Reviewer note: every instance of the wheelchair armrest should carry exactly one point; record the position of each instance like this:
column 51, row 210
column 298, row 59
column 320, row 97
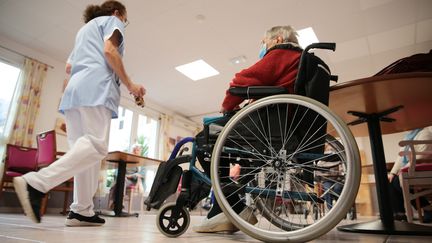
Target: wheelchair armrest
column 256, row 92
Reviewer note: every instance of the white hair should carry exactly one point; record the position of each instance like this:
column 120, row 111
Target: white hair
column 287, row 33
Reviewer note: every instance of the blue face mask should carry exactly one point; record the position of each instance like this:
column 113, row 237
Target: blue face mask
column 263, row 51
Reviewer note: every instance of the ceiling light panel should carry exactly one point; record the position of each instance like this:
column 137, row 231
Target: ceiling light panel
column 197, row 70
column 306, row 37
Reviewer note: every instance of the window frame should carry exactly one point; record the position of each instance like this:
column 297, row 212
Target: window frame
column 136, row 111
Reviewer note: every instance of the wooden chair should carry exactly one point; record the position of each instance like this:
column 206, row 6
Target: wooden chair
column 417, row 175
column 18, row 161
column 47, row 154
column 131, row 192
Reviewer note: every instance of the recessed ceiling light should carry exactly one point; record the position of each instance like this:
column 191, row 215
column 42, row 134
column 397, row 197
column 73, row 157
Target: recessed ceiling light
column 238, row 60
column 197, row 70
column 306, row 37
column 200, row 18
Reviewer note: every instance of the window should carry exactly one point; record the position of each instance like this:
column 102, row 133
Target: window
column 133, row 129
column 147, row 136
column 8, row 80
column 134, row 132
column 120, row 131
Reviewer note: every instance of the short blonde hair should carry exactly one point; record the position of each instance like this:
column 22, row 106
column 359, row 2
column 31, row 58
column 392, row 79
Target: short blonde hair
column 287, row 33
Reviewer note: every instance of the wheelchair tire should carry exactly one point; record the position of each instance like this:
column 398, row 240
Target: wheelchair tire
column 169, row 225
column 287, row 150
column 272, row 214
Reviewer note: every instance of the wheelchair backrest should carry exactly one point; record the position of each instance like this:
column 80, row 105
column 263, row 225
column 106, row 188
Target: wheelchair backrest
column 313, row 77
column 313, row 81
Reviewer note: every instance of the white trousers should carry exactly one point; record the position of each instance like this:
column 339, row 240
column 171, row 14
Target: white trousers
column 88, row 135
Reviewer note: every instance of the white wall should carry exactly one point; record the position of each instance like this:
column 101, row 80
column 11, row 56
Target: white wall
column 391, row 146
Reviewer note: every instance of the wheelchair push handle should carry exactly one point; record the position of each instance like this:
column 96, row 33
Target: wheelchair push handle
column 327, row 46
column 322, row 45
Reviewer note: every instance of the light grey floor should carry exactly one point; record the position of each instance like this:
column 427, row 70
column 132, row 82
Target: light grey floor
column 16, row 228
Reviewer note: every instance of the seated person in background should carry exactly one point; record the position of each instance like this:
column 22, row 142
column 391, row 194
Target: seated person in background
column 396, row 193
column 330, row 178
column 234, row 174
column 278, row 65
column 134, row 178
column 334, row 189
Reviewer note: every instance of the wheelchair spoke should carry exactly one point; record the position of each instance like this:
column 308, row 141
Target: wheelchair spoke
column 268, row 126
column 267, row 145
column 262, row 131
column 240, row 177
column 302, row 146
column 280, row 124
column 285, row 127
column 295, row 128
column 248, row 143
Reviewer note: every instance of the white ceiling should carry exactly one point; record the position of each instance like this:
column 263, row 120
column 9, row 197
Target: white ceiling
column 370, row 34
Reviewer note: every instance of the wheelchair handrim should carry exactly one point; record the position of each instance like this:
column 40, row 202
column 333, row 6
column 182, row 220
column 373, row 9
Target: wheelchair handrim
column 331, row 219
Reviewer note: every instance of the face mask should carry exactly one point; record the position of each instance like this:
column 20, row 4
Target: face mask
column 263, row 51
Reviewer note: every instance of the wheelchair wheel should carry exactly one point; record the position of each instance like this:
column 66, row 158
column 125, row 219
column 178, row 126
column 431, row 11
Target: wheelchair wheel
column 279, row 142
column 170, row 223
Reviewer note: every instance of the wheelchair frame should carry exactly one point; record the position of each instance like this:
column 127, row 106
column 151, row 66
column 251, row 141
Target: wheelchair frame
column 173, row 218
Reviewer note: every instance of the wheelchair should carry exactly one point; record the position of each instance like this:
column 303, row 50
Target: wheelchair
column 278, row 141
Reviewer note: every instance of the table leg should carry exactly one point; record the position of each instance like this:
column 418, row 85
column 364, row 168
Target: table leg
column 386, row 224
column 380, row 172
column 119, row 191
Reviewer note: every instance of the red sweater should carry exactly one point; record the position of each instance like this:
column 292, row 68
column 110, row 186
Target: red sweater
column 277, row 68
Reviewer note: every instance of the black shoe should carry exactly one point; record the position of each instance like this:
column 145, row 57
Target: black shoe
column 400, row 217
column 77, row 220
column 30, row 198
column 427, row 217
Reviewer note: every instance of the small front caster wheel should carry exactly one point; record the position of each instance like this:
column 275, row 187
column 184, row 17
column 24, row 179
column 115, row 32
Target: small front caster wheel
column 171, row 223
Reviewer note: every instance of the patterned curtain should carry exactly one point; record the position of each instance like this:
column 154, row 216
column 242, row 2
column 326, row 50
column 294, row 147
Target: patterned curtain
column 32, row 77
column 164, row 145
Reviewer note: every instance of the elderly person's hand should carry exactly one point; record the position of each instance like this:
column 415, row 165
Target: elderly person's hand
column 235, row 171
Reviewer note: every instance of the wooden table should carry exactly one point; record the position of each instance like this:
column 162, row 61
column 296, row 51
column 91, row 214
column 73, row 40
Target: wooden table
column 124, row 159
column 386, row 104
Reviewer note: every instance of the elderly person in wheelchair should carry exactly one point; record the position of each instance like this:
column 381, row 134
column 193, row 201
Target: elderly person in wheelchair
column 279, row 59
column 276, row 141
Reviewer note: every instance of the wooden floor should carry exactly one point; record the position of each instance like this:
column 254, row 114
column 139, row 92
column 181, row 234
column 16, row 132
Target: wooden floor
column 16, row 228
